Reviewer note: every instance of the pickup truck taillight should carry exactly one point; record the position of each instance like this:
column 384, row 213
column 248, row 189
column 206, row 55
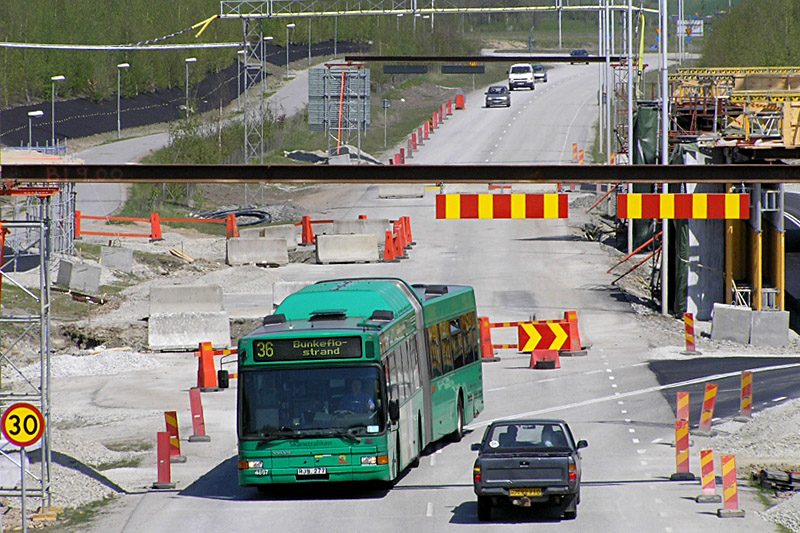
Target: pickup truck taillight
column 476, row 474
column 573, row 470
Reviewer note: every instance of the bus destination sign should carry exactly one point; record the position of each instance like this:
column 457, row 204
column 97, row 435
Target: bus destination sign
column 308, row 349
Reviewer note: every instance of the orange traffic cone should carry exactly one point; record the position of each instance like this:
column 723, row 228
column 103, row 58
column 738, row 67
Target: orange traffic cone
column 388, row 252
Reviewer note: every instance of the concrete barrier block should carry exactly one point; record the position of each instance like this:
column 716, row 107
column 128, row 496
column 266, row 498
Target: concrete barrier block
column 256, row 251
column 346, row 249
column 374, row 226
column 185, row 299
column 117, row 258
column 290, row 232
column 251, row 233
column 731, row 323
column 77, row 276
column 185, row 331
column 401, row 191
column 769, row 328
column 282, row 289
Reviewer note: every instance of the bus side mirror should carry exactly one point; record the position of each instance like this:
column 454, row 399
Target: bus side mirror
column 394, row 410
column 223, row 379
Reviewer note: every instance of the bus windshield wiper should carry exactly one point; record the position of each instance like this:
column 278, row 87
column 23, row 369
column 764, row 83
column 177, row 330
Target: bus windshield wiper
column 283, row 433
column 341, row 433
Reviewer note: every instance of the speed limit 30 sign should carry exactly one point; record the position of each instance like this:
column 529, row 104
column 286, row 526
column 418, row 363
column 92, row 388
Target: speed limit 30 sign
column 22, row 424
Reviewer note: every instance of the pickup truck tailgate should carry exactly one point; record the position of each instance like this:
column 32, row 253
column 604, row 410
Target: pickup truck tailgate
column 527, row 471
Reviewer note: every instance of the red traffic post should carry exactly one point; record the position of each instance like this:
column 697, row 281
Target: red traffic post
column 730, row 495
column 688, row 322
column 709, row 400
column 450, row 106
column 573, row 346
column 171, row 419
column 426, row 130
column 362, row 217
column 396, row 159
column 419, row 135
column 487, row 350
column 231, row 227
column 413, row 141
column 77, row 224
column 198, row 420
column 683, row 407
column 409, row 149
column 574, row 152
column 682, row 452
column 155, row 228
column 307, row 234
column 545, row 359
column 746, row 404
column 409, row 236
column 164, row 468
column 709, row 482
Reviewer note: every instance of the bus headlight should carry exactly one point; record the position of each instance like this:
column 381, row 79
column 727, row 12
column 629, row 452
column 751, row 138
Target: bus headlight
column 247, row 465
column 369, row 461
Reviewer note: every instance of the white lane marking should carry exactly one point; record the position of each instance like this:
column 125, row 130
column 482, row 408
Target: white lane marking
column 647, row 390
column 609, row 370
column 546, row 380
column 668, row 529
column 656, row 441
column 613, row 385
column 631, row 430
column 643, row 463
column 779, row 399
column 658, row 500
column 627, row 420
column 624, row 411
column 620, row 402
column 429, row 509
column 433, row 459
column 611, row 378
column 639, row 364
column 591, row 372
column 641, row 452
column 635, row 441
column 497, row 389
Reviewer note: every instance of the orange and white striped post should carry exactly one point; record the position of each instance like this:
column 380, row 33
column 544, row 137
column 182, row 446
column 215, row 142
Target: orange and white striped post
column 574, row 152
column 730, row 495
column 709, row 400
column 688, row 323
column 682, row 452
column 171, row 418
column 709, row 482
column 683, row 407
column 746, row 405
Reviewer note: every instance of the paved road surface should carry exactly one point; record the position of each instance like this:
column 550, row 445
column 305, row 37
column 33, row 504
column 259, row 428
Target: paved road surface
column 518, row 268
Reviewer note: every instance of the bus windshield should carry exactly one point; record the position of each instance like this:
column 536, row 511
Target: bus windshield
column 310, row 402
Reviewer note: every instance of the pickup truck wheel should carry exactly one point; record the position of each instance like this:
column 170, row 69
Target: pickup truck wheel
column 571, row 510
column 484, row 508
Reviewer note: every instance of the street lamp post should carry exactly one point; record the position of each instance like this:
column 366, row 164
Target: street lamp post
column 32, row 115
column 188, row 60
column 288, row 27
column 399, row 16
column 54, row 79
column 309, row 42
column 120, row 68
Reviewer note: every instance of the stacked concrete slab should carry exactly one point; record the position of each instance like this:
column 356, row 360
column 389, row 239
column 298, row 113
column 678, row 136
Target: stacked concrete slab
column 183, row 316
column 371, row 226
column 745, row 326
column 290, row 232
column 259, row 251
column 78, row 276
column 346, row 249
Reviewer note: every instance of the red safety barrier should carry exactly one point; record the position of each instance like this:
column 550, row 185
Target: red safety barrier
column 154, row 220
column 683, row 407
column 709, row 399
column 164, row 467
column 487, row 350
column 688, row 323
column 388, row 252
column 409, row 236
column 746, row 404
column 573, row 346
column 545, row 359
column 435, row 119
column 730, row 494
column 413, row 141
column 362, row 217
column 580, row 157
column 450, row 106
column 708, row 481
column 198, row 420
column 207, row 380
column 171, row 419
column 419, row 135
column 232, row 228
column 426, row 130
column 460, row 102
column 396, row 159
column 682, row 452
column 402, row 156
column 400, row 231
column 397, row 247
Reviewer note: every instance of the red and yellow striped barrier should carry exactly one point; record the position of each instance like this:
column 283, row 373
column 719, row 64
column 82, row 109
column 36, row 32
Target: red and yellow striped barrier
column 709, row 400
column 746, row 405
column 688, row 322
column 171, row 419
column 730, row 495
column 682, row 452
column 708, row 481
column 501, row 206
column 683, row 406
column 683, row 206
column 551, row 335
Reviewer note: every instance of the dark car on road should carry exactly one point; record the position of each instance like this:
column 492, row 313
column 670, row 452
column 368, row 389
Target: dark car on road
column 526, row 462
column 577, row 54
column 540, row 73
column 498, row 95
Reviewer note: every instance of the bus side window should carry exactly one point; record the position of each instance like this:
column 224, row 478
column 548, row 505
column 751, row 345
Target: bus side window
column 470, row 338
column 394, row 393
column 433, row 349
column 447, row 353
column 457, row 338
column 402, row 371
column 413, row 357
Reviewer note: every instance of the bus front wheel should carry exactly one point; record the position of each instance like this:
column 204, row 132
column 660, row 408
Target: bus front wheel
column 459, row 432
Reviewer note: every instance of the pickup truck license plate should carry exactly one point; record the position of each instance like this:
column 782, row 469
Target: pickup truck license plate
column 312, row 471
column 525, row 492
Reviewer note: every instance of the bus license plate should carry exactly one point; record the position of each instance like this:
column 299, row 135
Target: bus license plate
column 312, row 471
column 525, row 492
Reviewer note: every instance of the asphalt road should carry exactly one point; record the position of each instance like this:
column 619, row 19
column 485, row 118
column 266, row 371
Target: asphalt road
column 612, row 397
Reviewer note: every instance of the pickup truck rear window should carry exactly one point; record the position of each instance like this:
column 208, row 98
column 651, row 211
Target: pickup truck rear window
column 526, row 436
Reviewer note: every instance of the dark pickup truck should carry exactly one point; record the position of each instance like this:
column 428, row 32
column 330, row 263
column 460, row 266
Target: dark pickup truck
column 522, row 462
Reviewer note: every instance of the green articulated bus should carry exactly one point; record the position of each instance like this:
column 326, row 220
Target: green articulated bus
column 351, row 379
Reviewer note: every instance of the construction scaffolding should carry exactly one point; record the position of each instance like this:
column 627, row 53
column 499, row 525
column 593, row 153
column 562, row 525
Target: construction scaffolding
column 339, row 104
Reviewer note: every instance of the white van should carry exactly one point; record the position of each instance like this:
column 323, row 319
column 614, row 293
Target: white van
column 520, row 75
